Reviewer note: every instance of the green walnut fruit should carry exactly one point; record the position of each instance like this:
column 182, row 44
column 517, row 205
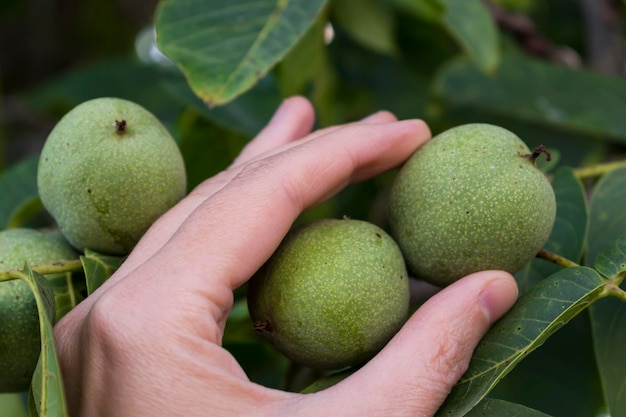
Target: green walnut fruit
column 470, row 199
column 19, row 319
column 332, row 295
column 107, row 171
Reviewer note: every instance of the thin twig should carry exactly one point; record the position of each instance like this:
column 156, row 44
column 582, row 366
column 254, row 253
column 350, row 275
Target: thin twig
column 613, row 289
column 524, row 32
column 604, row 35
column 556, row 259
column 45, row 269
column 597, row 170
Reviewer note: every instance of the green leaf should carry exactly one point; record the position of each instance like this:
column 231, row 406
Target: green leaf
column 127, row 79
column 69, row 290
column 432, row 10
column 12, row 405
column 607, row 217
column 262, row 363
column 18, row 185
column 328, row 381
column 561, row 378
column 207, row 149
column 98, row 268
column 25, row 211
column 608, row 319
column 369, row 22
column 552, row 97
column 490, row 407
column 469, row 22
column 570, row 228
column 247, row 114
column 306, row 66
column 224, row 48
column 46, row 396
column 537, row 314
column 611, row 261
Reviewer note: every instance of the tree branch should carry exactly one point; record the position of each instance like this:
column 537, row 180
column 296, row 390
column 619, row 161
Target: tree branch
column 556, row 259
column 604, row 35
column 522, row 29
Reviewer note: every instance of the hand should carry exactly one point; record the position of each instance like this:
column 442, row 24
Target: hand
column 148, row 342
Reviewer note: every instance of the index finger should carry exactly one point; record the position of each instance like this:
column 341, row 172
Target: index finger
column 233, row 232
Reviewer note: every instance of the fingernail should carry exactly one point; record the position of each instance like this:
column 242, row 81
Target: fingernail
column 498, row 297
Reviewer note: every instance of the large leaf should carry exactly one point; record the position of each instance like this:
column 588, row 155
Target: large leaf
column 306, row 70
column 47, row 396
column 536, row 315
column 607, row 217
column 470, row 23
column 247, row 114
column 207, row 148
column 127, row 79
column 611, row 261
column 369, row 22
column 561, row 378
column 224, row 48
column 367, row 82
column 539, row 92
column 432, row 10
column 18, row 185
column 490, row 407
column 98, row 268
column 570, row 228
column 25, row 211
column 608, row 319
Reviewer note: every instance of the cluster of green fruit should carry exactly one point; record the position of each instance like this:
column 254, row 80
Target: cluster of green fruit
column 336, row 291
column 107, row 171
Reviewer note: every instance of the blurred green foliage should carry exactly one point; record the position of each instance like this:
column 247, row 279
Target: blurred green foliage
column 445, row 61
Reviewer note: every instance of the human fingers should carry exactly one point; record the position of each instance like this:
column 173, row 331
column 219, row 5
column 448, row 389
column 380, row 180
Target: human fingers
column 381, row 116
column 187, row 284
column 414, row 373
column 277, row 136
column 259, row 205
column 229, row 236
column 292, row 120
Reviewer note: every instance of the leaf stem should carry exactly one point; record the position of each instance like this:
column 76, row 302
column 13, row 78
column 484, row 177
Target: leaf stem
column 598, row 169
column 44, row 269
column 555, row 259
column 614, row 290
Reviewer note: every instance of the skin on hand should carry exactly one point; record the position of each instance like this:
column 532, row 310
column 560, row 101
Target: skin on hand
column 148, row 342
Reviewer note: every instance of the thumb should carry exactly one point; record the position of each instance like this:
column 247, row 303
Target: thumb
column 415, row 372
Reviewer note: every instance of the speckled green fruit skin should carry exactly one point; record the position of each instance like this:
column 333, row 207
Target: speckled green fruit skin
column 19, row 320
column 104, row 184
column 332, row 295
column 470, row 200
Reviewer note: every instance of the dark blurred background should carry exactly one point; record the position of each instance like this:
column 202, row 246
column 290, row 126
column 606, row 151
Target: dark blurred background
column 56, row 53
column 41, row 40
